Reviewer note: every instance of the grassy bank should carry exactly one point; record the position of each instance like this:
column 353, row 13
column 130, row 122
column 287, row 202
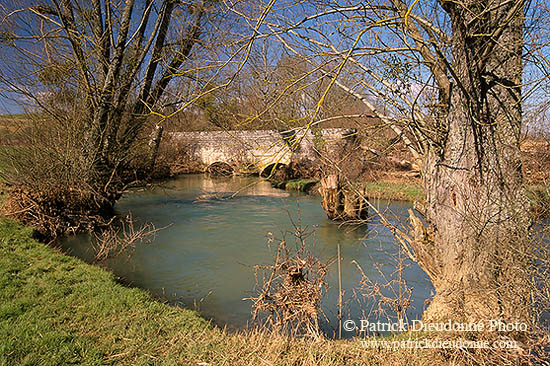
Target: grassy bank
column 538, row 194
column 301, row 185
column 57, row 310
column 394, row 191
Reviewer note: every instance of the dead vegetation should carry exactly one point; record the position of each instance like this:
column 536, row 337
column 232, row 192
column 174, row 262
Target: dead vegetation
column 58, row 210
column 122, row 237
column 390, row 299
column 219, row 169
column 290, row 290
column 177, row 156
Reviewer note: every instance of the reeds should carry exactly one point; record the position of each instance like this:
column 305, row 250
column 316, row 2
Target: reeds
column 291, row 289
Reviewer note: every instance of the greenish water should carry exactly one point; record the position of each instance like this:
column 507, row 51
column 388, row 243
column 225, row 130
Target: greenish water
column 205, row 257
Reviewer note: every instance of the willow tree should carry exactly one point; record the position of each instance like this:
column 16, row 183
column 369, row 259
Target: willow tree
column 476, row 246
column 449, row 74
column 117, row 60
column 476, row 250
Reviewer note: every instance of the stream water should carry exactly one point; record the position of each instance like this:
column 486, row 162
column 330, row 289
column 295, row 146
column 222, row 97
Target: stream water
column 204, row 257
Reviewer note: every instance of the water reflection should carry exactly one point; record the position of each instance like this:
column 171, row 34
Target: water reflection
column 207, row 253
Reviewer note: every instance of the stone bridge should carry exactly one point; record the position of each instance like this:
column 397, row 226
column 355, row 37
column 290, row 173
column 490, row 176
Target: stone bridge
column 259, row 150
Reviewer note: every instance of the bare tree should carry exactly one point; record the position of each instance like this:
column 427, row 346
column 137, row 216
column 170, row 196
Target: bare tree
column 449, row 75
column 114, row 61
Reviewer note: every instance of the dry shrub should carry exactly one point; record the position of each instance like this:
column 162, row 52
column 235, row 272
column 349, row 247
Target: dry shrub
column 116, row 239
column 219, row 169
column 303, row 168
column 289, row 299
column 177, row 155
column 51, row 185
column 390, row 298
column 535, row 153
column 56, row 210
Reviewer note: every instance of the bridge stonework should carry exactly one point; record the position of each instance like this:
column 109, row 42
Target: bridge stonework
column 254, row 150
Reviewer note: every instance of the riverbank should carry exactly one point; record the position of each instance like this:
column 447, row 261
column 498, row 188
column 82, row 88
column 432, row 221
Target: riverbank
column 410, row 190
column 55, row 309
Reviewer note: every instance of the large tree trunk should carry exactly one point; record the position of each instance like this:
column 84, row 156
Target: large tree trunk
column 476, row 245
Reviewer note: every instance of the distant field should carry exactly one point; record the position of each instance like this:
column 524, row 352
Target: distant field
column 11, row 121
column 14, row 126
column 538, row 194
column 10, row 124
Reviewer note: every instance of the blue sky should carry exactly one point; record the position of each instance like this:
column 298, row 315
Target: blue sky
column 9, row 104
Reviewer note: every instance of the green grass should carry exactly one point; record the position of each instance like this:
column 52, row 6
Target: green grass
column 58, row 310
column 375, row 190
column 302, row 185
column 13, row 115
column 539, row 196
column 394, row 191
column 19, row 116
column 538, row 191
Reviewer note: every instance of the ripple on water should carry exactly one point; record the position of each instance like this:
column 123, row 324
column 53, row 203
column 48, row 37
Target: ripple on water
column 208, row 251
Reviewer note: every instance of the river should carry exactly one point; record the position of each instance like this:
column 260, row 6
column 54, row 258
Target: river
column 218, row 229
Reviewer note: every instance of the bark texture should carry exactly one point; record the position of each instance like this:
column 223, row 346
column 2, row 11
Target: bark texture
column 341, row 202
column 341, row 165
column 475, row 246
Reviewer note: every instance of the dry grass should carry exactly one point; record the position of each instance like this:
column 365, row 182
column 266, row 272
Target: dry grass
column 291, row 289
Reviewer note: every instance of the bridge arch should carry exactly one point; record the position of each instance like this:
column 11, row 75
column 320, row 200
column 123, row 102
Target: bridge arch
column 271, row 169
column 219, row 168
